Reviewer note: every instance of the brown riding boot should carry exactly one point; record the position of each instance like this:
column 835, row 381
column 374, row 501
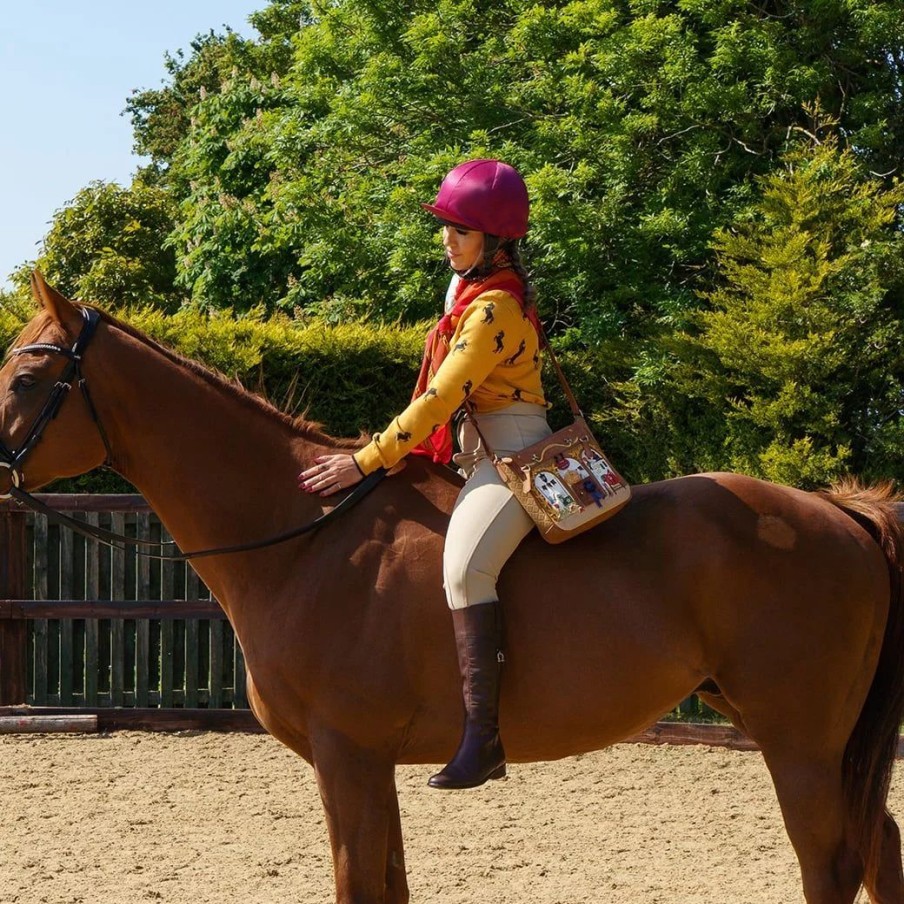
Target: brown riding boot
column 478, row 636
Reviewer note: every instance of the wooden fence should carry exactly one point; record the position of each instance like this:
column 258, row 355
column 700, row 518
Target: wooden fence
column 86, row 626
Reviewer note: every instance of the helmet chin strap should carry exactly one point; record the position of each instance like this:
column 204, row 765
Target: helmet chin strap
column 483, row 266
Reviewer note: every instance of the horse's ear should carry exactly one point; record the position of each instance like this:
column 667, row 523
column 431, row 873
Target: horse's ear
column 59, row 307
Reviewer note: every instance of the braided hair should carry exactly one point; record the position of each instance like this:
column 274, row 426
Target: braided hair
column 530, row 290
column 499, row 254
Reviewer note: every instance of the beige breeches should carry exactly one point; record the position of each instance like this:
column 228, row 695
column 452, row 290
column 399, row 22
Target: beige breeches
column 487, row 522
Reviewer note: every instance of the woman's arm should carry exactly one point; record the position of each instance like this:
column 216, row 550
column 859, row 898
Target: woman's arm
column 476, row 351
column 329, row 474
column 478, row 348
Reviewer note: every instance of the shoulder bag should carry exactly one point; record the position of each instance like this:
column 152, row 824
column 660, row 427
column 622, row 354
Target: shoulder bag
column 564, row 482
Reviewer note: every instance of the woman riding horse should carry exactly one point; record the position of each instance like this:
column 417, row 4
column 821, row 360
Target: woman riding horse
column 484, row 353
column 783, row 609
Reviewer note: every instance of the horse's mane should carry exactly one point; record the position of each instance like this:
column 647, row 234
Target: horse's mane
column 299, row 424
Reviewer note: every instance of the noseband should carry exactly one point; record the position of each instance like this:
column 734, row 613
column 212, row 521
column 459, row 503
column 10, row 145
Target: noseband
column 72, row 373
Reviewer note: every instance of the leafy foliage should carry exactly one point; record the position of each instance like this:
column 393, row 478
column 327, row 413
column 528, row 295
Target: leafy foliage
column 640, row 127
column 796, row 365
column 109, row 244
column 716, row 229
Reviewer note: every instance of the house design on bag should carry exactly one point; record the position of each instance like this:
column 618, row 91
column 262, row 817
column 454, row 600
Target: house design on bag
column 605, row 476
column 583, row 485
column 582, row 479
column 554, row 492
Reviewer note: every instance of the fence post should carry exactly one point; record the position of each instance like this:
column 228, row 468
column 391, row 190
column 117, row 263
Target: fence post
column 13, row 631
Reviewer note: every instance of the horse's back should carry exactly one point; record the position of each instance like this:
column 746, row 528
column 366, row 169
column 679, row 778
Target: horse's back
column 695, row 527
column 714, row 576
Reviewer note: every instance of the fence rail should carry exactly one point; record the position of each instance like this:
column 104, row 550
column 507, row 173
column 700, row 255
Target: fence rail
column 83, row 625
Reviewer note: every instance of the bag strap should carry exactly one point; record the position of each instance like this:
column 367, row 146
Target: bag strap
column 572, row 401
column 545, row 346
column 469, row 412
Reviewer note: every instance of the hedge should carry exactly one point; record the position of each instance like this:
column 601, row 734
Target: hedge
column 349, row 377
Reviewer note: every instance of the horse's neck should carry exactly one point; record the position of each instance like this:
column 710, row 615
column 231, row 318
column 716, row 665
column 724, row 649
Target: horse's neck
column 217, row 469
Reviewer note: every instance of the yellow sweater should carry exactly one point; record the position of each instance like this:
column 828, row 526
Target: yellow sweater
column 494, row 361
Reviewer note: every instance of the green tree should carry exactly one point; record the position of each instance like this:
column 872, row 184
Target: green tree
column 161, row 117
column 640, row 125
column 801, row 347
column 108, row 245
column 286, row 174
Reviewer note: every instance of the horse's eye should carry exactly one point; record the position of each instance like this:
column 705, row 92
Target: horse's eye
column 24, row 382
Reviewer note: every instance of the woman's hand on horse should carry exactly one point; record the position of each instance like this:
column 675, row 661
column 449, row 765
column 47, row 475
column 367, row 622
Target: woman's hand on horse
column 329, row 474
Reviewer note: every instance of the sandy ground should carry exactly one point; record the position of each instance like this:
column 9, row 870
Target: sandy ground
column 197, row 818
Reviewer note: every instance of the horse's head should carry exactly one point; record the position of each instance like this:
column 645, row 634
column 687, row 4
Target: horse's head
column 44, row 433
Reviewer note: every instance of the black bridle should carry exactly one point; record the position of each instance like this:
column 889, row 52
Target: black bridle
column 72, row 373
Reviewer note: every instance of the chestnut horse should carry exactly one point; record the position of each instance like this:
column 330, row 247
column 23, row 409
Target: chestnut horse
column 782, row 608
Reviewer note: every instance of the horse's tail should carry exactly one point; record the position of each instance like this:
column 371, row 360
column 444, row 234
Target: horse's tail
column 872, row 746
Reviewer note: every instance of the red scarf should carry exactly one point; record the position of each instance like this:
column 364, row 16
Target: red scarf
column 438, row 445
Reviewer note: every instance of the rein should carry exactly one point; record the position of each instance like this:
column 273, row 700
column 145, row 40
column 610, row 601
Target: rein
column 120, row 541
column 13, row 459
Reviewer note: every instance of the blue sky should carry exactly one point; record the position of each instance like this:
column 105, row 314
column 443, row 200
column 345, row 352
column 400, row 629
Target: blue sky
column 66, row 71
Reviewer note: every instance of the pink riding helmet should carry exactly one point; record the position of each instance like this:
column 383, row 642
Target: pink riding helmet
column 486, row 195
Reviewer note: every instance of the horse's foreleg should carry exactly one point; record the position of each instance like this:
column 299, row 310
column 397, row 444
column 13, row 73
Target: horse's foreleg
column 357, row 787
column 396, row 875
column 810, row 795
column 889, row 885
